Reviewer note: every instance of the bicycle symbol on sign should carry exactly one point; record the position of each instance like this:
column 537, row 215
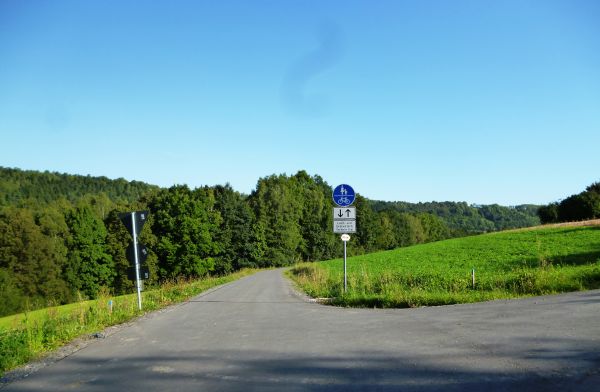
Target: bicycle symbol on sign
column 344, row 201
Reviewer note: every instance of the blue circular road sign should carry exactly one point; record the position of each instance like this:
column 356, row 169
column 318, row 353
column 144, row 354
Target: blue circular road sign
column 343, row 195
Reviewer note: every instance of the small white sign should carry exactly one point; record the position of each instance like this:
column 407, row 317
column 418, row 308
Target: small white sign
column 345, row 237
column 341, row 213
column 344, row 226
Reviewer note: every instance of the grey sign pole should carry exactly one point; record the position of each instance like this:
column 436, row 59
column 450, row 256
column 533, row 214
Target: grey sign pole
column 345, row 275
column 344, row 218
column 137, row 263
column 345, row 239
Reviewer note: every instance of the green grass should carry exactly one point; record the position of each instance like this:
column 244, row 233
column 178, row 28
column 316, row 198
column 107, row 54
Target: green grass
column 507, row 265
column 28, row 336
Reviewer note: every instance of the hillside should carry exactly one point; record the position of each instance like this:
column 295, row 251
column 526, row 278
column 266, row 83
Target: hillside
column 469, row 218
column 18, row 186
column 509, row 264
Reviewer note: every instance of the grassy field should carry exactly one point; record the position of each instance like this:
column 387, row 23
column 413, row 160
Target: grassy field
column 24, row 337
column 507, row 265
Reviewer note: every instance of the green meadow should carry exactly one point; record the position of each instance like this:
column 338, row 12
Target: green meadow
column 28, row 336
column 507, row 264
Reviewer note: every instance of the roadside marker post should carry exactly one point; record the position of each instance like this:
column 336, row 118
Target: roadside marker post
column 344, row 218
column 134, row 222
column 137, row 263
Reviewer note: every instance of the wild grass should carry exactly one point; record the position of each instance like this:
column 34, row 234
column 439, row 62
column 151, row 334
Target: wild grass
column 28, row 336
column 507, row 265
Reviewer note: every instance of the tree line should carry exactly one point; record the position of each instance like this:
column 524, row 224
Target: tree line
column 59, row 243
column 17, row 185
column 578, row 207
column 465, row 219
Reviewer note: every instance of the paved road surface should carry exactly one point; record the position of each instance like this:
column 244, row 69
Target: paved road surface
column 254, row 335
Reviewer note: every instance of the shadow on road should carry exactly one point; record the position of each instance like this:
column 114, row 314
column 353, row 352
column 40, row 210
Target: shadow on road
column 349, row 371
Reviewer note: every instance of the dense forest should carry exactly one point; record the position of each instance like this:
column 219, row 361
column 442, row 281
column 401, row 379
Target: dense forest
column 17, row 186
column 61, row 238
column 469, row 219
column 582, row 206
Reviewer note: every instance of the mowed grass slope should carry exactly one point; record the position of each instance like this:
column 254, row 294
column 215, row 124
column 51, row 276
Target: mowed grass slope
column 507, row 265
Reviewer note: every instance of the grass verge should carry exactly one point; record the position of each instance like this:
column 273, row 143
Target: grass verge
column 28, row 336
column 507, row 265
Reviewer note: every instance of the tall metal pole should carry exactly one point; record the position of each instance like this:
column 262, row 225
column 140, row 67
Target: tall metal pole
column 137, row 263
column 345, row 278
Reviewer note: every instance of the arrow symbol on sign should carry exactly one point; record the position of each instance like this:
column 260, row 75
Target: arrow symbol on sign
column 348, row 213
column 340, row 213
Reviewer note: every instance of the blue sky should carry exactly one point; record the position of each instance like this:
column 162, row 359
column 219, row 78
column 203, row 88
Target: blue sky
column 477, row 101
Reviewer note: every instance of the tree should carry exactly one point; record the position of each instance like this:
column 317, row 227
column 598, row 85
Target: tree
column 90, row 266
column 235, row 234
column 314, row 195
column 591, row 202
column 186, row 224
column 367, row 226
column 434, row 229
column 575, row 208
column 549, row 213
column 582, row 206
column 32, row 259
column 278, row 212
column 258, row 247
column 593, row 188
column 11, row 297
column 386, row 238
column 409, row 230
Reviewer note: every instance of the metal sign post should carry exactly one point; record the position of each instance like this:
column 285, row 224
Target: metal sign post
column 344, row 219
column 345, row 272
column 137, row 253
column 137, row 262
column 345, row 239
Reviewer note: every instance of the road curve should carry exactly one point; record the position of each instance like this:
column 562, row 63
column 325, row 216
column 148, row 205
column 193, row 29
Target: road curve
column 256, row 335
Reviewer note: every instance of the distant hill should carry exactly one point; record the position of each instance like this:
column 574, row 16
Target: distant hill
column 469, row 218
column 17, row 186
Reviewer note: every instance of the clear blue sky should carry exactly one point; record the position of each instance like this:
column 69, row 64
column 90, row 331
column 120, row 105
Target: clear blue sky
column 477, row 101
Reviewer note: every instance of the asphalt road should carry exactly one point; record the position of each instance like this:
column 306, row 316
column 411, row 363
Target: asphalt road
column 255, row 335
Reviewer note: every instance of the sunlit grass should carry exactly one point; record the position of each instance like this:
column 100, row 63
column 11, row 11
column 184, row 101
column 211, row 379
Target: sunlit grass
column 507, row 265
column 30, row 335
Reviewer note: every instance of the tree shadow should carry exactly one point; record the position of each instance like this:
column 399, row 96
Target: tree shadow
column 557, row 365
column 577, row 258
